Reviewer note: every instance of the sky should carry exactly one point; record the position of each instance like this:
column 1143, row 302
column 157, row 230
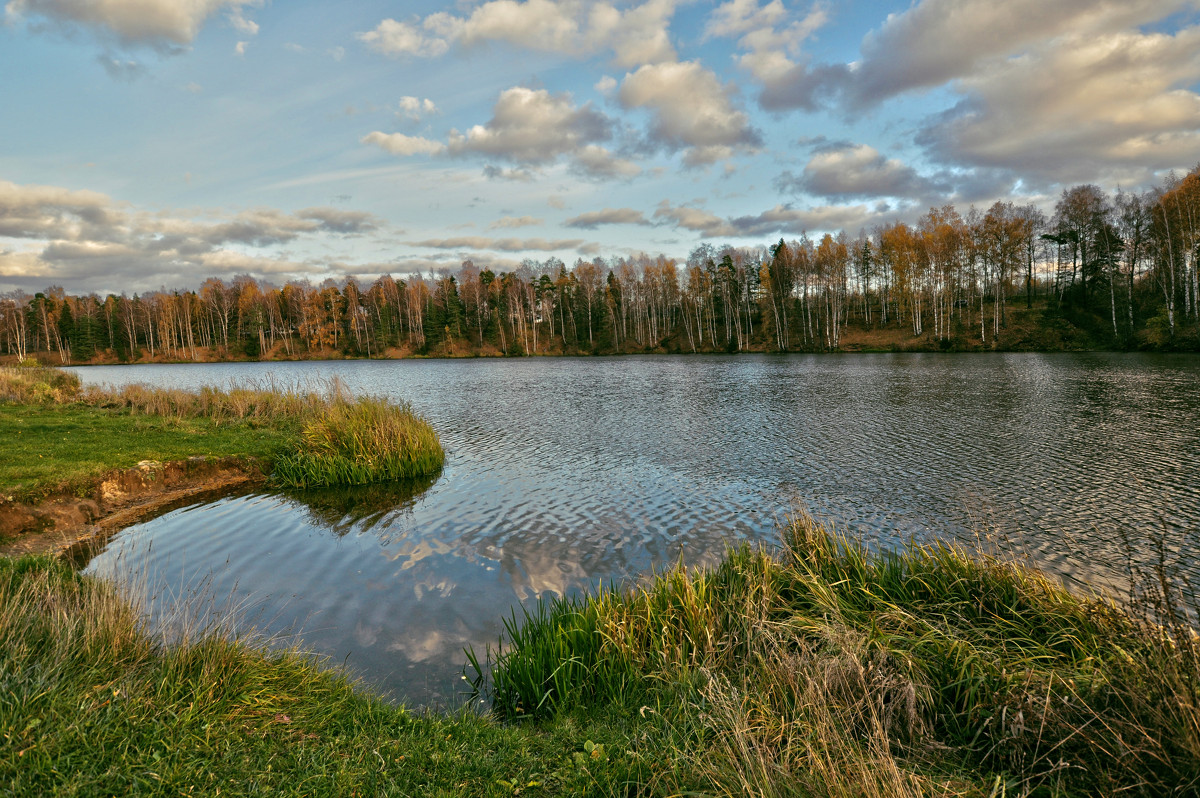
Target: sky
column 149, row 144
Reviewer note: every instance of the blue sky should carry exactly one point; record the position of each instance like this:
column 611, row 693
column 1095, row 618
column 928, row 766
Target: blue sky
column 151, row 143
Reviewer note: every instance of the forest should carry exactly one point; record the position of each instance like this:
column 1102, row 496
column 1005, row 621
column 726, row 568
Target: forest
column 1104, row 271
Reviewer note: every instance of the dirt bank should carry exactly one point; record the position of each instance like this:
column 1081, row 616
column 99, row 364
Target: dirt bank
column 117, row 499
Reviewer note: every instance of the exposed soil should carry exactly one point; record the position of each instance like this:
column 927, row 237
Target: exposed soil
column 117, row 499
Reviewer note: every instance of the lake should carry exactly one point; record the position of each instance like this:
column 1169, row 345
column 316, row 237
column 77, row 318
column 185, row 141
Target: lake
column 569, row 472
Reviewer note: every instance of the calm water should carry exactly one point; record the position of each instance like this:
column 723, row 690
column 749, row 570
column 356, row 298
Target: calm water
column 563, row 473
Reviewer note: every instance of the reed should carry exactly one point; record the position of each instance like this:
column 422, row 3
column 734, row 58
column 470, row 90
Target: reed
column 358, row 442
column 32, row 384
column 824, row 668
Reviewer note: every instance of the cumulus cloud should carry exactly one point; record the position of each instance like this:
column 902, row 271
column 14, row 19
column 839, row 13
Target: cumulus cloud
column 696, row 219
column 401, row 38
column 940, row 40
column 122, row 69
column 336, row 220
column 937, row 42
column 786, row 220
column 597, row 162
column 593, row 219
column 1083, row 106
column 858, row 171
column 400, row 144
column 533, row 126
column 769, row 37
column 32, row 211
column 414, row 109
column 158, row 23
column 780, row 220
column 244, row 26
column 580, row 28
column 690, row 110
column 519, row 174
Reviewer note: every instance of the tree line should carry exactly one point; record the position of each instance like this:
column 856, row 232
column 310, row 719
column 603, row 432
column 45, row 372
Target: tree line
column 1123, row 267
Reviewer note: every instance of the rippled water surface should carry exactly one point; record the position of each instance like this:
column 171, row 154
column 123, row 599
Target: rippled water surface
column 562, row 473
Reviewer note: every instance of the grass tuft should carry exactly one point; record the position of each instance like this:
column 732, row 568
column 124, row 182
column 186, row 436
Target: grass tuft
column 358, row 442
column 828, row 669
column 31, row 384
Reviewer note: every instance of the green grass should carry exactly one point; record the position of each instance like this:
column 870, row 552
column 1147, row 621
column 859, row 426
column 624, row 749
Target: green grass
column 817, row 670
column 824, row 669
column 60, row 436
column 91, row 706
column 63, row 447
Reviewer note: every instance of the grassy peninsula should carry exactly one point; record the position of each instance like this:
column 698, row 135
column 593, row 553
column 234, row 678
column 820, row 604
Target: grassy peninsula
column 61, row 436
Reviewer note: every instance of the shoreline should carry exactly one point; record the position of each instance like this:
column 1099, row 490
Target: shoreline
column 117, row 499
column 43, row 357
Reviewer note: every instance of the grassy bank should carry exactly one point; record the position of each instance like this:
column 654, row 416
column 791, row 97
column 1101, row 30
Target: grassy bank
column 60, row 435
column 826, row 670
column 816, row 670
column 92, row 706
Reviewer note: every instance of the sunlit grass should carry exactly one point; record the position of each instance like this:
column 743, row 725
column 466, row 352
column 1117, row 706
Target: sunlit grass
column 64, row 447
column 827, row 669
column 59, row 435
column 360, row 441
column 90, row 705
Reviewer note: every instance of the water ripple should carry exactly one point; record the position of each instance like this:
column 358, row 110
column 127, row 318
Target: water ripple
column 565, row 473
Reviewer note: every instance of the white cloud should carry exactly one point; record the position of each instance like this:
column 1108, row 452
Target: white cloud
column 400, row 144
column 695, row 219
column 940, row 40
column 595, row 161
column 690, row 110
column 400, row 38
column 1080, row 107
column 859, row 170
column 533, row 126
column 240, row 48
column 122, row 69
column 780, row 220
column 593, row 219
column 635, row 35
column 91, row 242
column 414, row 108
column 768, row 36
column 153, row 22
column 244, row 26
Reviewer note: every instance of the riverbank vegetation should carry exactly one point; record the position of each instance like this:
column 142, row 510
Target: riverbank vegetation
column 824, row 669
column 817, row 670
column 1103, row 272
column 61, row 435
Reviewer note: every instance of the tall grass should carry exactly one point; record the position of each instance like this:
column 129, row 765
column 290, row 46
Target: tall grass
column 361, row 441
column 29, row 383
column 827, row 669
